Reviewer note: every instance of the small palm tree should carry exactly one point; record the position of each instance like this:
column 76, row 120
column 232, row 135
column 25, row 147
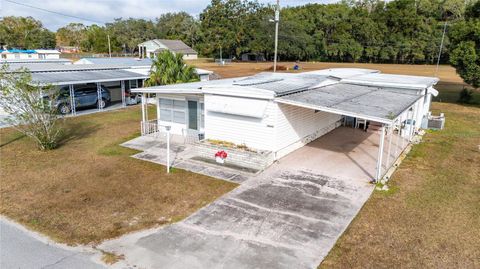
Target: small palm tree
column 169, row 68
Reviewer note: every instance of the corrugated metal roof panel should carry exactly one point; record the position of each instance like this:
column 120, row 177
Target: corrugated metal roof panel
column 400, row 81
column 282, row 83
column 80, row 77
column 383, row 104
column 35, row 61
column 121, row 61
column 56, row 67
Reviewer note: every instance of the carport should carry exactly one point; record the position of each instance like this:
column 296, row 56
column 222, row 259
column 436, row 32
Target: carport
column 387, row 109
column 98, row 77
column 118, row 78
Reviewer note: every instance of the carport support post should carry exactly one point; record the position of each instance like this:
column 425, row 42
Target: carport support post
column 398, row 136
column 99, row 96
column 122, row 87
column 380, row 154
column 72, row 99
column 144, row 121
column 414, row 118
column 390, row 133
column 410, row 131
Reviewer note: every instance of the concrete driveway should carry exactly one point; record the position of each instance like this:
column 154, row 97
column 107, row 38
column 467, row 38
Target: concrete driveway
column 289, row 216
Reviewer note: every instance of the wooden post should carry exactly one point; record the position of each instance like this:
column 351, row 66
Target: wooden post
column 168, row 148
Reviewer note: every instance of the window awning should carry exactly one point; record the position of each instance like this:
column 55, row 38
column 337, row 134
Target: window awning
column 371, row 103
column 254, row 108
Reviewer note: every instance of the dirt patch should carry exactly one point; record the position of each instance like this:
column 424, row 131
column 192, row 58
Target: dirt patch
column 90, row 189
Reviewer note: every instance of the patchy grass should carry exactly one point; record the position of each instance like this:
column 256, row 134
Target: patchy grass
column 89, row 189
column 432, row 220
column 111, row 258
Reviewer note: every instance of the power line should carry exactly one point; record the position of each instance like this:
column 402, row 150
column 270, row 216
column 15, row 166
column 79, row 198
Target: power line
column 54, row 12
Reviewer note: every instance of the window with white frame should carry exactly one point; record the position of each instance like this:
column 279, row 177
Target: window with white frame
column 172, row 110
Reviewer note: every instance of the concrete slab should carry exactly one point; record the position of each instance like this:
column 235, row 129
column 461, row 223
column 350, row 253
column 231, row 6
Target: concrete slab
column 154, row 150
column 345, row 153
column 284, row 218
column 288, row 216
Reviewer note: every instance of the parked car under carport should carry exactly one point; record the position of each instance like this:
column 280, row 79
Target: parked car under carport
column 85, row 96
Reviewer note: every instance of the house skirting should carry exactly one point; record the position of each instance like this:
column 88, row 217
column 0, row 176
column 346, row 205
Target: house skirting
column 249, row 159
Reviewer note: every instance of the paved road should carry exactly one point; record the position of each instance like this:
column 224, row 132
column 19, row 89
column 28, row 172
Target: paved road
column 21, row 250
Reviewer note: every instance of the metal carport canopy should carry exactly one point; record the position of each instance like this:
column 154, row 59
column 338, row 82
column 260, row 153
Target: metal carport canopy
column 82, row 77
column 367, row 102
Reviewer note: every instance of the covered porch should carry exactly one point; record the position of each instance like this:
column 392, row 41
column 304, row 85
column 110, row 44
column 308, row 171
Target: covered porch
column 348, row 153
column 383, row 124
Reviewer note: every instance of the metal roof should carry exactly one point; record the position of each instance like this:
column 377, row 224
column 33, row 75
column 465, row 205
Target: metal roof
column 282, row 83
column 120, row 61
column 343, row 73
column 81, row 77
column 398, row 81
column 192, row 87
column 374, row 103
column 34, row 61
column 57, row 67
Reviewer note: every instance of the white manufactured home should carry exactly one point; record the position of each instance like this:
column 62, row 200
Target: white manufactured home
column 281, row 112
column 38, row 54
column 150, row 48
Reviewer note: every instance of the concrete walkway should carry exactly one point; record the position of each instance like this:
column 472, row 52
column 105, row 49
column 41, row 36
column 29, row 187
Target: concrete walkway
column 154, row 149
column 22, row 249
column 289, row 216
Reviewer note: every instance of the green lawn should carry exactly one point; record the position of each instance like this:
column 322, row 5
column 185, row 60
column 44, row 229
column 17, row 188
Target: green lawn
column 90, row 189
column 432, row 219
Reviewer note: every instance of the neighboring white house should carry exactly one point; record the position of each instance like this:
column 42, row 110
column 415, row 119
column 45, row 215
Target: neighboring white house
column 141, row 66
column 48, row 54
column 16, row 54
column 150, row 48
column 281, row 112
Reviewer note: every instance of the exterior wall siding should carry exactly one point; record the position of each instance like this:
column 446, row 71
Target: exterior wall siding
column 176, row 128
column 257, row 133
column 297, row 126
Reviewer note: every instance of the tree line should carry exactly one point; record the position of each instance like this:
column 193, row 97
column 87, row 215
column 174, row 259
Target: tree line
column 400, row 31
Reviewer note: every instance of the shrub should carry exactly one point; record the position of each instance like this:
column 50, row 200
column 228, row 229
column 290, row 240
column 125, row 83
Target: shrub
column 30, row 111
column 466, row 96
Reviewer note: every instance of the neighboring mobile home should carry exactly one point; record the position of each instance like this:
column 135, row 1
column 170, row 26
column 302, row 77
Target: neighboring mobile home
column 149, row 49
column 42, row 54
column 281, row 112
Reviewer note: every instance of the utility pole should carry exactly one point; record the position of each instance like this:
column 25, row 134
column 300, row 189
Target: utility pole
column 441, row 47
column 277, row 19
column 109, row 49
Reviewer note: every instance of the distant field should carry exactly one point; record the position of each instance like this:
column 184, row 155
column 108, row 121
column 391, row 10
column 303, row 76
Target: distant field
column 449, row 86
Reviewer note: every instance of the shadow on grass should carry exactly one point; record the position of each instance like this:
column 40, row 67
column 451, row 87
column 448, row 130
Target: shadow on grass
column 14, row 138
column 449, row 92
column 74, row 131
